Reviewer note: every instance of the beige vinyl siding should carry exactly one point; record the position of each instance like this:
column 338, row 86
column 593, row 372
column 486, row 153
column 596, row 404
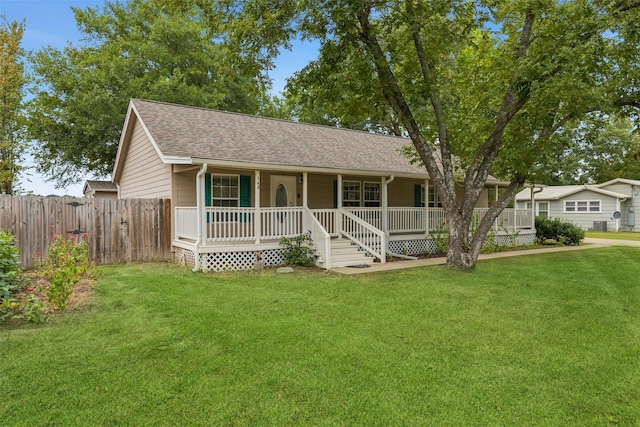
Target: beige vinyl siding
column 143, row 173
column 320, row 189
column 184, row 184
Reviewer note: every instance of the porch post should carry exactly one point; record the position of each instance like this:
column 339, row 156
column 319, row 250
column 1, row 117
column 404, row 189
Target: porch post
column 305, row 188
column 385, row 207
column 339, row 213
column 533, row 208
column 200, row 212
column 426, row 206
column 305, row 201
column 257, row 219
column 515, row 215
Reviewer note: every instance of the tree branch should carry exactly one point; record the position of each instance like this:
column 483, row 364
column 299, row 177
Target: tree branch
column 434, row 97
column 628, row 6
column 394, row 96
column 512, row 102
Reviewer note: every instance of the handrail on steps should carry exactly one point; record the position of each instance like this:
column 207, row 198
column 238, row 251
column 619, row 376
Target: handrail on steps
column 320, row 237
column 374, row 236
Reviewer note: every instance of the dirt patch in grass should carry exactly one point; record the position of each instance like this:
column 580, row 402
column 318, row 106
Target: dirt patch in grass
column 81, row 298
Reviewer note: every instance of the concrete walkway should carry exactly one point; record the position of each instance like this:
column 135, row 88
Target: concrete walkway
column 589, row 243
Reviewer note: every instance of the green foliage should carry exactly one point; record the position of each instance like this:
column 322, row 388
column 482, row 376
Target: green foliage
column 558, row 230
column 12, row 81
column 298, row 250
column 66, row 263
column 479, row 87
column 31, row 308
column 132, row 49
column 9, row 269
column 440, row 237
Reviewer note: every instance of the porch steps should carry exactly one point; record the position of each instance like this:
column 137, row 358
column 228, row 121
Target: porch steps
column 344, row 254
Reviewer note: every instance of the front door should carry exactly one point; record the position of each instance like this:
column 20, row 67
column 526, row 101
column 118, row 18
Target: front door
column 283, row 191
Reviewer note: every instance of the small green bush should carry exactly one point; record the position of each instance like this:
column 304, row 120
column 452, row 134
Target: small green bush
column 298, row 250
column 66, row 263
column 556, row 229
column 9, row 270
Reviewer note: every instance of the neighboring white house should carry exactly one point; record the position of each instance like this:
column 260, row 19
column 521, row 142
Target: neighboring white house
column 609, row 206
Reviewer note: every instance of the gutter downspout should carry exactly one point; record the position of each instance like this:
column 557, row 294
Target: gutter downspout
column 200, row 213
column 385, row 204
column 385, row 208
column 533, row 205
column 618, row 205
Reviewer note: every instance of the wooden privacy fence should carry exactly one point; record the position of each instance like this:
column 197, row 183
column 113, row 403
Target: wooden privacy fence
column 117, row 231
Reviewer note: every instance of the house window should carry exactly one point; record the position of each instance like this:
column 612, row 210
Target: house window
column 372, row 194
column 351, row 194
column 434, row 200
column 543, row 209
column 582, row 206
column 225, row 190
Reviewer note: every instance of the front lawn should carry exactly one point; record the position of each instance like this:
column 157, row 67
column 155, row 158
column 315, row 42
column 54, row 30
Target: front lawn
column 552, row 339
column 616, row 235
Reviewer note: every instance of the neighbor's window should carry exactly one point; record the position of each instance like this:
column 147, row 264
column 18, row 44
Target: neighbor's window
column 225, row 190
column 543, row 209
column 582, row 206
column 372, row 194
column 351, row 194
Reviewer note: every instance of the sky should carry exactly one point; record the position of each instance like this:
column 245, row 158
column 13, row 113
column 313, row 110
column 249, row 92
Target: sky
column 51, row 23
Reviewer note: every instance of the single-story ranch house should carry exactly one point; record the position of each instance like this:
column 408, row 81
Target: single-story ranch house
column 607, row 206
column 238, row 183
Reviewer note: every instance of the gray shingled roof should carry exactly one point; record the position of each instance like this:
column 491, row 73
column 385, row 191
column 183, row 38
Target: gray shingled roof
column 557, row 192
column 197, row 133
column 101, row 185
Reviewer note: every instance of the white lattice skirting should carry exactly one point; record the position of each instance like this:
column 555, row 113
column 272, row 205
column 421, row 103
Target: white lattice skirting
column 244, row 260
column 229, row 261
column 427, row 245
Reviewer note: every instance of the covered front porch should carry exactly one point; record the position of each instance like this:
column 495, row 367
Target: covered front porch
column 373, row 230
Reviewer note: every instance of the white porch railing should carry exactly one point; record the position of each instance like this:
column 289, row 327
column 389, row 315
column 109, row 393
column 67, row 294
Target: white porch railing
column 238, row 224
column 187, row 223
column 407, row 220
column 281, row 222
column 327, row 217
column 320, row 236
column 371, row 215
column 365, row 235
column 230, row 224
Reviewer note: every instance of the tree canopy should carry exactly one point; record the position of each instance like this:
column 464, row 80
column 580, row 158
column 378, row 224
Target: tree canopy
column 484, row 86
column 12, row 82
column 139, row 49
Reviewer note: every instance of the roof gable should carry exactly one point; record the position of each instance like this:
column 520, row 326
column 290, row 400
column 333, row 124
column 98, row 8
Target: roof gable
column 558, row 192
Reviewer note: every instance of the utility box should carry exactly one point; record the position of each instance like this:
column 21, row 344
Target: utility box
column 599, row 225
column 631, row 218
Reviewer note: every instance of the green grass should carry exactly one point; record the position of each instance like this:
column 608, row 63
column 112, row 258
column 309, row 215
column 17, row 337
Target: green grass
column 547, row 340
column 617, row 235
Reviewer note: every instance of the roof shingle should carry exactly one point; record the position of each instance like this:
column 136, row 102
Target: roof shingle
column 190, row 132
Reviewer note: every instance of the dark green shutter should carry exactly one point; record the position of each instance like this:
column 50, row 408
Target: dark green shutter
column 245, row 194
column 417, row 196
column 245, row 191
column 335, row 194
column 207, row 193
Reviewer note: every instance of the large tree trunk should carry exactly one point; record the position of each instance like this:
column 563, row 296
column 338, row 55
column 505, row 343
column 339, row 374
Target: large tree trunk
column 458, row 255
